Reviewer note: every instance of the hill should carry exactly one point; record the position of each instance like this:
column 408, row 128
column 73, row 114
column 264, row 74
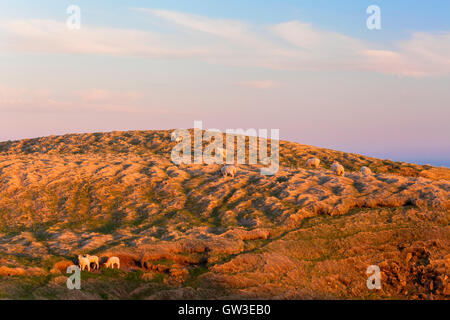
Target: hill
column 187, row 232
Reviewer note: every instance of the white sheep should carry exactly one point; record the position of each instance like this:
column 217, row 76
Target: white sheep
column 313, row 162
column 338, row 168
column 365, row 171
column 112, row 261
column 92, row 259
column 84, row 263
column 228, row 170
column 176, row 138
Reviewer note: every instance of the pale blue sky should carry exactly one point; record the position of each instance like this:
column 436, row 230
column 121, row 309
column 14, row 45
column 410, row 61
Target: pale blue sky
column 400, row 17
column 310, row 68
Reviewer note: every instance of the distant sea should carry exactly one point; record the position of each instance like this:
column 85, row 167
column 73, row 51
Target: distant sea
column 435, row 163
column 389, row 154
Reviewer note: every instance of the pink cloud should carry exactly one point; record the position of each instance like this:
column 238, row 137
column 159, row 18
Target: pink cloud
column 51, row 36
column 46, row 100
column 102, row 96
column 264, row 84
column 292, row 45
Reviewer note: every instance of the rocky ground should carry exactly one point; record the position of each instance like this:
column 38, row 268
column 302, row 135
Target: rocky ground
column 187, row 232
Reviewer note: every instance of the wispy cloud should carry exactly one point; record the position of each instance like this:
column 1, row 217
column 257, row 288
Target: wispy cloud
column 107, row 96
column 14, row 99
column 224, row 28
column 54, row 37
column 423, row 55
column 263, row 84
column 292, row 45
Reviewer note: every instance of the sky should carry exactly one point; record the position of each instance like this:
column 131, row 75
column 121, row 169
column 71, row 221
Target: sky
column 311, row 69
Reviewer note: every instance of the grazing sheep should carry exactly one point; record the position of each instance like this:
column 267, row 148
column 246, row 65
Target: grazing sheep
column 174, row 137
column 228, row 170
column 111, row 262
column 84, row 263
column 338, row 168
column 313, row 163
column 92, row 259
column 365, row 171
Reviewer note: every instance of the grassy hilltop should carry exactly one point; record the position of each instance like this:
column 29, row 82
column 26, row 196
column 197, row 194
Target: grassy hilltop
column 187, row 232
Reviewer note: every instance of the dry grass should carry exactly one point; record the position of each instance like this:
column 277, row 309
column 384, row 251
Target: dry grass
column 303, row 233
column 61, row 266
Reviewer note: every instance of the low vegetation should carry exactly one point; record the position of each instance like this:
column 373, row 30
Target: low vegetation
column 189, row 232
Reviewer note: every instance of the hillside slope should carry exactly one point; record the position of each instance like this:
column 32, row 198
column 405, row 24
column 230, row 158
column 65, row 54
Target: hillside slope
column 187, row 232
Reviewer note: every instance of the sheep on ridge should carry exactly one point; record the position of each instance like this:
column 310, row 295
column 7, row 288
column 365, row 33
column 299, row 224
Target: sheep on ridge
column 112, row 261
column 92, row 259
column 313, row 163
column 365, row 171
column 84, row 263
column 337, row 168
column 228, row 170
column 176, row 138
